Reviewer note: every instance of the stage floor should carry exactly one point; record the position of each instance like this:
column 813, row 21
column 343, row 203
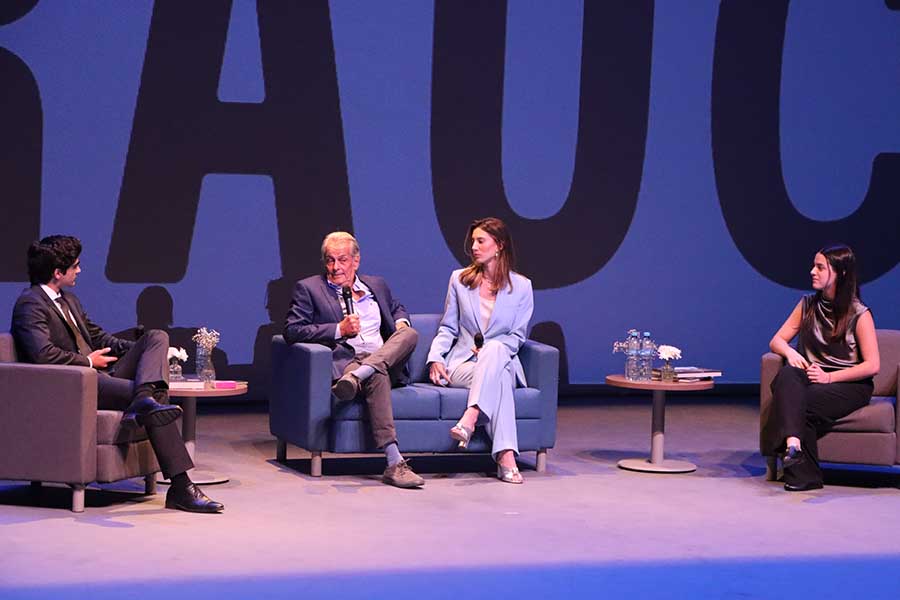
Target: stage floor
column 585, row 528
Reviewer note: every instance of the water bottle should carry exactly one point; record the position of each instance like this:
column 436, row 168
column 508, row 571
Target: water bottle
column 648, row 351
column 632, row 356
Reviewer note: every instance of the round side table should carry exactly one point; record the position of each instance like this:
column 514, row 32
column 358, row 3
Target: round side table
column 657, row 463
column 188, row 404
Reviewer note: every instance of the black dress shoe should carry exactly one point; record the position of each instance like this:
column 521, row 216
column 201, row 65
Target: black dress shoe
column 792, row 457
column 191, row 499
column 804, row 487
column 346, row 388
column 147, row 412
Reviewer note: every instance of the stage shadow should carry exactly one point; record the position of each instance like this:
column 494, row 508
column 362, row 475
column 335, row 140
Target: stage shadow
column 58, row 498
column 440, row 465
column 716, row 463
column 155, row 309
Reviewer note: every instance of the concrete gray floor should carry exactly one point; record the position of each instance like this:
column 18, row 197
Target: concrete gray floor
column 583, row 529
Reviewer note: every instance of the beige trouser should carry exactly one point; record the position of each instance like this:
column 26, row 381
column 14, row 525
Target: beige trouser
column 388, row 362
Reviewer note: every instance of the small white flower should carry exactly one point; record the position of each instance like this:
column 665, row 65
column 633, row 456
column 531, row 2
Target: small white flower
column 179, row 353
column 669, row 352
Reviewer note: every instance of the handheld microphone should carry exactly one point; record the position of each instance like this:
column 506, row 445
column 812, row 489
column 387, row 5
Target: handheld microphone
column 347, row 293
column 479, row 340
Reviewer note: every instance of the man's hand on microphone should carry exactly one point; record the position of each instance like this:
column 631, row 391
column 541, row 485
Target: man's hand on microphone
column 350, row 325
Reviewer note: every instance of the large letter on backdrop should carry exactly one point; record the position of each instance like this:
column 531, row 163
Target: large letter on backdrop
column 466, row 117
column 746, row 91
column 21, row 126
column 182, row 132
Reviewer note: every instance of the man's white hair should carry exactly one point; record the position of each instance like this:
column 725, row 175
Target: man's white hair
column 339, row 237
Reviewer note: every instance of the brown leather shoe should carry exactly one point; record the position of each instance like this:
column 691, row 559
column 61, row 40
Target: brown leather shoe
column 346, row 388
column 401, row 476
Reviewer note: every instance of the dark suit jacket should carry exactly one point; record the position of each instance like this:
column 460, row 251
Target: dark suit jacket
column 316, row 310
column 42, row 335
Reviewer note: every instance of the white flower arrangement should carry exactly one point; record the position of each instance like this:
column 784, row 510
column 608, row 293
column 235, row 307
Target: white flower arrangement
column 669, row 352
column 179, row 353
column 206, row 338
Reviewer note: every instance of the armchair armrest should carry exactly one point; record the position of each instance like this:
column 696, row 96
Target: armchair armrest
column 48, row 423
column 771, row 364
column 897, row 411
column 541, row 365
column 300, row 393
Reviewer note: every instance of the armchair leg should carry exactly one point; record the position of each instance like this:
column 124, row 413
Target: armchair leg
column 281, row 451
column 150, row 484
column 540, row 465
column 771, row 468
column 315, row 463
column 77, row 497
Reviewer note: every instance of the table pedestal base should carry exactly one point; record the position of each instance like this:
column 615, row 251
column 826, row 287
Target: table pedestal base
column 198, row 475
column 657, row 463
column 665, row 466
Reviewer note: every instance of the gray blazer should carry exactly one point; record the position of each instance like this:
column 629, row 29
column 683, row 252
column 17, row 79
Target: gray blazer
column 462, row 320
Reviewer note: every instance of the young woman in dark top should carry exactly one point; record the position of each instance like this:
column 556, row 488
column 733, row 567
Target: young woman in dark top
column 830, row 373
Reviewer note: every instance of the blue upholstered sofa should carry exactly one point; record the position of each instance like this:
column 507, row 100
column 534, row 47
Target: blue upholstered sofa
column 303, row 412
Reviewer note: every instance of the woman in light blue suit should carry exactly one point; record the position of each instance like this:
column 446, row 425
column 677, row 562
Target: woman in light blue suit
column 476, row 347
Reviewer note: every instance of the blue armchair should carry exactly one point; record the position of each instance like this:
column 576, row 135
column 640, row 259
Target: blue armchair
column 303, row 412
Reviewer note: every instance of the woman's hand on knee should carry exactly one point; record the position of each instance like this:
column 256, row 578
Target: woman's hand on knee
column 795, row 359
column 815, row 374
column 437, row 372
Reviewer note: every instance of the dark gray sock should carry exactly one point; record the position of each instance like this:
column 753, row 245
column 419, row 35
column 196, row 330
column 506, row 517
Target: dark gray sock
column 142, row 390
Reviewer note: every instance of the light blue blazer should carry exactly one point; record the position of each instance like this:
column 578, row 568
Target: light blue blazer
column 462, row 320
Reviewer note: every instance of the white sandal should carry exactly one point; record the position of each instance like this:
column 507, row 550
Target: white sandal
column 509, row 475
column 461, row 434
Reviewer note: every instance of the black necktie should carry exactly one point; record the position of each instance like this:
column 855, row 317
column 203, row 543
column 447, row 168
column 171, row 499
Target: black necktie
column 83, row 347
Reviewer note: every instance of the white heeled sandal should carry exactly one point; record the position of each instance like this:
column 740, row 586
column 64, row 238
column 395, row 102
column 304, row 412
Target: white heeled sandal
column 461, row 434
column 509, row 475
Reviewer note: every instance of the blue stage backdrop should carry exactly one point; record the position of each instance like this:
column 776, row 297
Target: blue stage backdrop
column 667, row 166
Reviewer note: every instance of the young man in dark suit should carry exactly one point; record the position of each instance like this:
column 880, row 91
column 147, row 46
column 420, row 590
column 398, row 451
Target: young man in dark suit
column 370, row 337
column 50, row 326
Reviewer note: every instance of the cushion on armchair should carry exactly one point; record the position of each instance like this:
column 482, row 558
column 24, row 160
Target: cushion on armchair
column 877, row 417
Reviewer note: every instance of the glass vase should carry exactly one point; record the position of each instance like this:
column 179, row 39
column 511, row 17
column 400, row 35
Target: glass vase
column 175, row 370
column 205, row 369
column 667, row 372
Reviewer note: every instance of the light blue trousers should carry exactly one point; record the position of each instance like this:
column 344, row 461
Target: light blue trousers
column 491, row 382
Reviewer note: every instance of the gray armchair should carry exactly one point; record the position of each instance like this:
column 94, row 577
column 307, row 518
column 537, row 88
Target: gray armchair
column 866, row 436
column 51, row 430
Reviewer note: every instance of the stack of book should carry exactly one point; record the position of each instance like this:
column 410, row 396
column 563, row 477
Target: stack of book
column 195, row 383
column 690, row 373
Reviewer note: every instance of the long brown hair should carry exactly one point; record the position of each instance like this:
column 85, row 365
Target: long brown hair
column 506, row 256
column 843, row 262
